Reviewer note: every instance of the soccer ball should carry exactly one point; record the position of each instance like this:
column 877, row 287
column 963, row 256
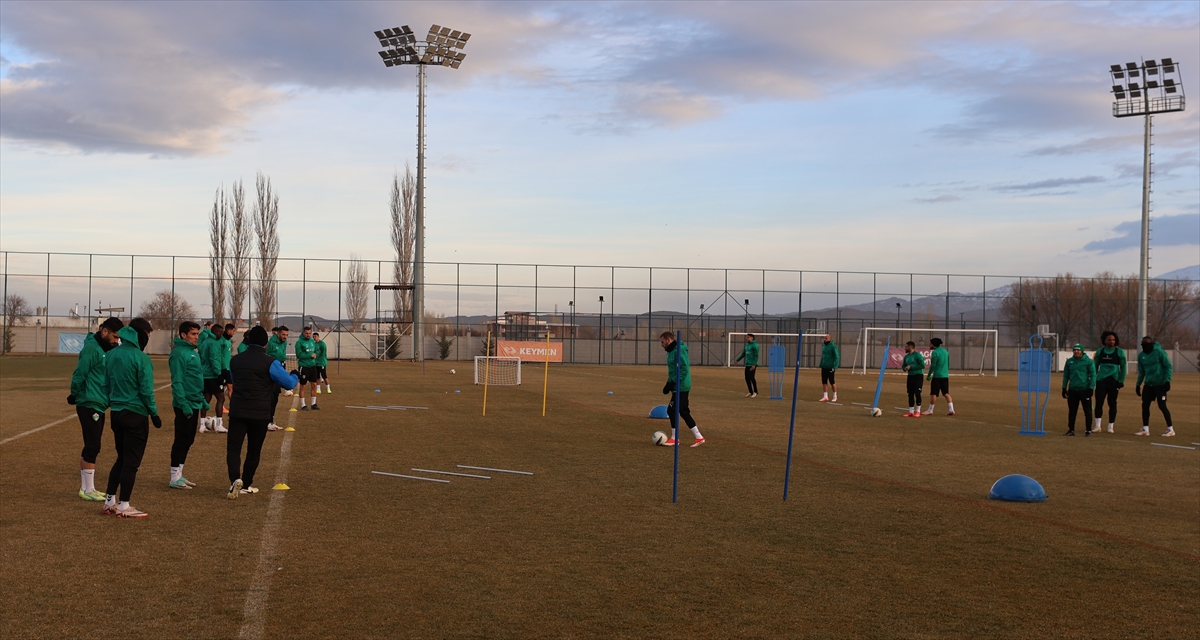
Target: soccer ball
column 660, row 438
column 287, row 392
column 876, row 412
column 453, row 371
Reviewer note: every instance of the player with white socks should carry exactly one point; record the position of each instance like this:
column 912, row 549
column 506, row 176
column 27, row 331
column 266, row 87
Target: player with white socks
column 187, row 396
column 213, row 362
column 90, row 398
column 679, row 377
column 830, row 359
column 1110, row 378
column 914, row 364
column 939, row 376
column 322, row 364
column 1154, row 368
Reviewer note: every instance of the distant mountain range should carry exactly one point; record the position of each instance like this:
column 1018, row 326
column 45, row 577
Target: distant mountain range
column 1186, row 273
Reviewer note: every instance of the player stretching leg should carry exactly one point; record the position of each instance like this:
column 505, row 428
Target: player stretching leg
column 914, row 364
column 1154, row 368
column 187, row 396
column 830, row 360
column 679, row 377
column 750, row 354
column 91, row 401
column 1110, row 377
column 939, row 376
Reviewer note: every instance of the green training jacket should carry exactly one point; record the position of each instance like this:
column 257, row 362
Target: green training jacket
column 1079, row 373
column 87, row 383
column 1110, row 363
column 939, row 363
column 916, row 362
column 1154, row 368
column 306, row 352
column 685, row 367
column 187, row 377
column 211, row 358
column 242, row 346
column 277, row 348
column 226, row 352
column 322, row 354
column 129, row 376
column 750, row 353
column 830, row 358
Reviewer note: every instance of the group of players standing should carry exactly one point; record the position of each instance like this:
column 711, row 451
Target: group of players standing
column 1105, row 377
column 114, row 373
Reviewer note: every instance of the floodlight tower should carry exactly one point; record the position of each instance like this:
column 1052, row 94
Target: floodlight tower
column 1144, row 90
column 442, row 47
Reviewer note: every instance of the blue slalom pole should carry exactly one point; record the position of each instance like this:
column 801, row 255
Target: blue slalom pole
column 787, row 471
column 882, row 368
column 675, row 418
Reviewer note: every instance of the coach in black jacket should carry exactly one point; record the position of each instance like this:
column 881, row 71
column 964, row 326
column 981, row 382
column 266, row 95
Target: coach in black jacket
column 257, row 378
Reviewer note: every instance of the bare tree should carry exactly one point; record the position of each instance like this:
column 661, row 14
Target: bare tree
column 357, row 291
column 266, row 227
column 218, row 225
column 166, row 310
column 16, row 312
column 237, row 264
column 404, row 239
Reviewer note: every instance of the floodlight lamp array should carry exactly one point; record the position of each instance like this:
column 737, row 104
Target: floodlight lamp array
column 442, row 47
column 1147, row 88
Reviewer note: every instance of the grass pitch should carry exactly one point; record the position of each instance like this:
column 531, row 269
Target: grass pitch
column 887, row 533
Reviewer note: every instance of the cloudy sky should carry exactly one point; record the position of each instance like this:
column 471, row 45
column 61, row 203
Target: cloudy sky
column 935, row 137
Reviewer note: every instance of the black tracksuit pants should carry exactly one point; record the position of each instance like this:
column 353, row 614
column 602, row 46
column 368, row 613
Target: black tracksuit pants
column 751, row 383
column 130, row 433
column 185, row 435
column 684, row 411
column 252, row 431
column 1106, row 389
column 1074, row 400
column 914, row 385
column 1151, row 394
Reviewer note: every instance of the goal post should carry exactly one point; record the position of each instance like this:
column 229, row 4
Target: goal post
column 504, row 371
column 973, row 352
column 736, row 340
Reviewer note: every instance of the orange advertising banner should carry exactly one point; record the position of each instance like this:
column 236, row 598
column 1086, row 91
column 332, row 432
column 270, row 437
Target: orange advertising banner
column 529, row 351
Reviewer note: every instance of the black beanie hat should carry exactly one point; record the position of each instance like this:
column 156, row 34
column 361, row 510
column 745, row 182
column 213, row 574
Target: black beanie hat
column 256, row 336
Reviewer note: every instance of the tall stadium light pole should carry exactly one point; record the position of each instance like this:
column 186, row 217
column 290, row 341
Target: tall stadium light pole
column 1144, row 90
column 441, row 47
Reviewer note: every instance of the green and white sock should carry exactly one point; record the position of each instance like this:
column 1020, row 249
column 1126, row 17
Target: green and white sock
column 176, row 473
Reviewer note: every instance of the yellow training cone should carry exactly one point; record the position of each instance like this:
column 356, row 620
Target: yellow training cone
column 292, row 410
column 290, row 429
column 281, row 487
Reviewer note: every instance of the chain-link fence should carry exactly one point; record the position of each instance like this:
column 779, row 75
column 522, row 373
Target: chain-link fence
column 601, row 314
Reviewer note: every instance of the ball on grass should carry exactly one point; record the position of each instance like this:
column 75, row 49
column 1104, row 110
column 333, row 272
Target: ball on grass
column 453, row 371
column 377, row 391
column 876, row 412
column 610, row 393
column 860, row 387
column 660, row 438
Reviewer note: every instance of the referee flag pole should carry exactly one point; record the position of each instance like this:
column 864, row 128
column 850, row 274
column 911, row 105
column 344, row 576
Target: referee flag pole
column 546, row 376
column 486, row 361
column 675, row 418
column 787, row 471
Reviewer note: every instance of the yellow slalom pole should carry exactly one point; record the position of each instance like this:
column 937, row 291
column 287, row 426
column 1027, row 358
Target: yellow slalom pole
column 486, row 361
column 546, row 376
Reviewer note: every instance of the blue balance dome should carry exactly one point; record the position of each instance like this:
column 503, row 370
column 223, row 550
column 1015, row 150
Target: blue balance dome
column 659, row 412
column 1017, row 488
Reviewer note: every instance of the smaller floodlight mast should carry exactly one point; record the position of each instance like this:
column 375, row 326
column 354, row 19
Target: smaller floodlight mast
column 1144, row 90
column 441, row 47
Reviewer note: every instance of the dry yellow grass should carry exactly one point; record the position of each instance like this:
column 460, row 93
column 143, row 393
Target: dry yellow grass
column 888, row 532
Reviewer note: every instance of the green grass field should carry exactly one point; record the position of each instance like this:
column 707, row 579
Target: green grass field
column 888, row 531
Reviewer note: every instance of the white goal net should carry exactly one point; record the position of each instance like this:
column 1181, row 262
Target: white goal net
column 973, row 352
column 503, row 371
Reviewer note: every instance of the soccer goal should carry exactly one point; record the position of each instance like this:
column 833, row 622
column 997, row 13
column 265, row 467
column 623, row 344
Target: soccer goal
column 504, row 371
column 736, row 341
column 973, row 352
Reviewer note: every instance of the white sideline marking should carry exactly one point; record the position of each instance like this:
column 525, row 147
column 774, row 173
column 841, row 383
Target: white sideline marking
column 397, row 475
column 524, row 473
column 253, row 612
column 60, row 421
column 451, row 473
